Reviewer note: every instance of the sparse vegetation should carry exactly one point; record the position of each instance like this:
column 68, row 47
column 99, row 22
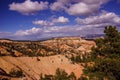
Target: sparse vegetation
column 80, row 58
column 28, row 49
column 35, row 50
column 38, row 59
column 16, row 73
column 40, row 49
column 4, row 79
column 59, row 75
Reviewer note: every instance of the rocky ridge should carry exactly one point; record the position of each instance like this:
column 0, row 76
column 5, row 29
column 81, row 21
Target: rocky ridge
column 36, row 57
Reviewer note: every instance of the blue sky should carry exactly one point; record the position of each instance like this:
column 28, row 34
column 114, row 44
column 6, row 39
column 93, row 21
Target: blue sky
column 38, row 19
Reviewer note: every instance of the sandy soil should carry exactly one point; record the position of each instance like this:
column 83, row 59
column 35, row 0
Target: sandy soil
column 32, row 67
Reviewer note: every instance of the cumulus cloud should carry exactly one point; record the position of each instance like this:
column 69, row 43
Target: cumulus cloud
column 48, row 32
column 104, row 18
column 89, row 25
column 85, row 7
column 57, row 6
column 54, row 21
column 60, row 19
column 99, row 2
column 55, row 31
column 37, row 33
column 28, row 7
column 43, row 23
column 82, row 9
column 72, row 7
column 60, row 5
column 28, row 32
column 78, row 7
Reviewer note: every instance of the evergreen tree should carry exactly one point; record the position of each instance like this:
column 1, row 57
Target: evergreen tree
column 110, row 44
column 106, row 56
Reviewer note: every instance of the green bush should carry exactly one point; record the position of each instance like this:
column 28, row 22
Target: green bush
column 16, row 73
column 59, row 75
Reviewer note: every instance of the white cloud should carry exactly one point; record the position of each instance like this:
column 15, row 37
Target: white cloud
column 64, row 1
column 28, row 7
column 43, row 23
column 54, row 21
column 85, row 7
column 28, row 32
column 46, row 32
column 104, row 18
column 80, row 7
column 55, row 31
column 72, row 7
column 60, row 19
column 85, row 26
column 99, row 2
column 60, row 5
column 57, row 6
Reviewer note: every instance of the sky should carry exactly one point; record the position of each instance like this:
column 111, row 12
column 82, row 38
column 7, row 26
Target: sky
column 41, row 19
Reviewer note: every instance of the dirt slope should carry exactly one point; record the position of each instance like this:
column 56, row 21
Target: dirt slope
column 36, row 57
column 32, row 68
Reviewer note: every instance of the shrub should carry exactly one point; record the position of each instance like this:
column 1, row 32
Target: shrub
column 59, row 75
column 16, row 73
